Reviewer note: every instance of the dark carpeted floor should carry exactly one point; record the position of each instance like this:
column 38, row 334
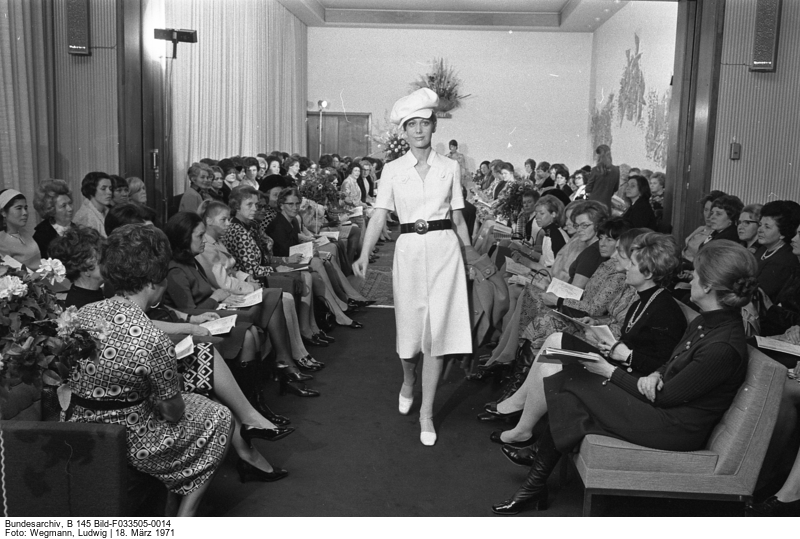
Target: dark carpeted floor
column 354, row 455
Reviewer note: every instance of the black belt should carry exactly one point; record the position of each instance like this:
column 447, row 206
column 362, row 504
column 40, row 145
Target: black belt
column 98, row 406
column 421, row 226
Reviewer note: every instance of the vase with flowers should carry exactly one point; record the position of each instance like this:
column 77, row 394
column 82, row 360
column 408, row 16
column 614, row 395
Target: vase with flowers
column 39, row 340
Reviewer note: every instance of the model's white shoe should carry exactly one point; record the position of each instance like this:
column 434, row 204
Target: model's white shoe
column 427, row 433
column 404, row 403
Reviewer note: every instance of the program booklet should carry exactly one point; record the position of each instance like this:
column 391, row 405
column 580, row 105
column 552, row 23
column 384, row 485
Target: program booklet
column 564, row 290
column 778, row 346
column 567, row 357
column 247, row 300
column 220, row 326
column 306, row 250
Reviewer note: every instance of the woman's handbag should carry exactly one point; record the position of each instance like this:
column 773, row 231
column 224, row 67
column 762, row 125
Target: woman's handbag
column 323, row 315
column 197, row 369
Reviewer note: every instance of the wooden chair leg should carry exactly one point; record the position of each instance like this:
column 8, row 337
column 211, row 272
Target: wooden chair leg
column 587, row 502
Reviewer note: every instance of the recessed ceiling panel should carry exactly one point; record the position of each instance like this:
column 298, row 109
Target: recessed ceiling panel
column 519, row 6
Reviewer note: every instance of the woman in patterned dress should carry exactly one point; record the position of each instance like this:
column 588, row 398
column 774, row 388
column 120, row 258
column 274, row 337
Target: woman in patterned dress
column 179, row 438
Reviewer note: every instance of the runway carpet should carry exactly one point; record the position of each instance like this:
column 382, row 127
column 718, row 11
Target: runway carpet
column 353, row 454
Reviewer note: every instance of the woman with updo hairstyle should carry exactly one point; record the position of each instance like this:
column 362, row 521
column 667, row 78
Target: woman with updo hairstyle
column 178, row 438
column 676, row 407
column 776, row 262
column 53, row 202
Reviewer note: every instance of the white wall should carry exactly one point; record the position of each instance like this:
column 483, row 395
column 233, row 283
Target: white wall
column 655, row 24
column 529, row 90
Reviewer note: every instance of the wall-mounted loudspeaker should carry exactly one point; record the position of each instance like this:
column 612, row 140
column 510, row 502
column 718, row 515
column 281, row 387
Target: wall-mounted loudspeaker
column 765, row 45
column 78, row 27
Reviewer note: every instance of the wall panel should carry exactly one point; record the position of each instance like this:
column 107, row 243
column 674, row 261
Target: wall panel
column 86, row 97
column 761, row 111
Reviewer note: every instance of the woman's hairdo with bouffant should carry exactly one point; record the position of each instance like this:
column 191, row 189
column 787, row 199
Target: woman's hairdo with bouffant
column 786, row 214
column 658, row 255
column 595, row 210
column 729, row 269
column 135, row 256
column 238, row 195
column 44, row 199
column 79, row 249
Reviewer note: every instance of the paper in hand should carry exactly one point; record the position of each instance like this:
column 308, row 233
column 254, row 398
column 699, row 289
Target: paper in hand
column 184, row 348
column 242, row 301
column 603, row 333
column 564, row 290
column 358, row 211
column 334, row 235
column 306, row 250
column 220, row 325
column 778, row 346
column 321, row 241
column 287, row 269
column 516, row 268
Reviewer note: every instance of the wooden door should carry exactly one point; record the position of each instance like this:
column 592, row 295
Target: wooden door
column 345, row 134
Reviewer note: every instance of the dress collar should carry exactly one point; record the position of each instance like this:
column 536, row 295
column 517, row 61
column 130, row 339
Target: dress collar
column 712, row 319
column 409, row 160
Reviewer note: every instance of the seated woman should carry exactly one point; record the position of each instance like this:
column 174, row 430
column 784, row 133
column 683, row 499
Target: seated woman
column 579, row 181
column 508, row 344
column 219, row 264
column 747, row 229
column 120, row 189
column 701, row 233
column 652, row 327
column 137, row 191
column 188, row 287
column 253, row 256
column 53, row 203
column 15, row 241
column 97, row 189
column 658, row 182
column 80, row 250
column 640, row 214
column 776, row 261
column 200, row 176
column 550, row 238
column 284, row 231
column 676, row 407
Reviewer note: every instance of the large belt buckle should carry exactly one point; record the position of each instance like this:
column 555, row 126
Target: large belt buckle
column 420, row 226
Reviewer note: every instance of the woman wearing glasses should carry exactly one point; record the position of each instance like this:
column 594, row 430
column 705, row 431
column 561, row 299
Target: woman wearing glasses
column 748, row 226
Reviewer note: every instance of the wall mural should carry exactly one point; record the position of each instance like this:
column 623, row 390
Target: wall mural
column 649, row 111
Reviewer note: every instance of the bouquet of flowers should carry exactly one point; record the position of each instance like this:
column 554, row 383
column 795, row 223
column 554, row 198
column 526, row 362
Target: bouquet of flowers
column 39, row 341
column 392, row 142
column 509, row 201
column 321, row 186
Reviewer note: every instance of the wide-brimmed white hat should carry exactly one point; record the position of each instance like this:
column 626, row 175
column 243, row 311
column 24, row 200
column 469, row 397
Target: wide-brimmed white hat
column 419, row 104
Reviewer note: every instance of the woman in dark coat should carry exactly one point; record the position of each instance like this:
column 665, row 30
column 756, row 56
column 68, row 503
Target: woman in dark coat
column 776, row 261
column 640, row 214
column 53, row 203
column 674, row 408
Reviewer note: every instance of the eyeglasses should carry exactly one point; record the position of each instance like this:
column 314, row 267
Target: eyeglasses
column 583, row 226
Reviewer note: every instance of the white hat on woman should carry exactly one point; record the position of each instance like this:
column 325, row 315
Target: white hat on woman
column 419, row 104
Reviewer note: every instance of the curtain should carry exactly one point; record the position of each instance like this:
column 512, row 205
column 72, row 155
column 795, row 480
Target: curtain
column 26, row 125
column 241, row 89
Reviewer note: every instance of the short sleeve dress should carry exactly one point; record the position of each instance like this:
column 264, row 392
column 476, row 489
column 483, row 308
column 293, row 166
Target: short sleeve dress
column 137, row 365
column 430, row 287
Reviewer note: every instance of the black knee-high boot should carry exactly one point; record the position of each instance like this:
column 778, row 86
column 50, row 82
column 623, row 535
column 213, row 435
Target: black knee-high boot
column 252, row 377
column 533, row 493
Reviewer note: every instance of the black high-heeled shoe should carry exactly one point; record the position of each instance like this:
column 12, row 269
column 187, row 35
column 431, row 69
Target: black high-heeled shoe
column 249, row 433
column 262, row 408
column 296, row 388
column 521, row 456
column 533, row 492
column 353, row 325
column 309, row 363
column 495, row 437
column 248, row 472
column 325, row 337
column 314, row 341
column 490, row 413
column 773, row 507
column 294, row 376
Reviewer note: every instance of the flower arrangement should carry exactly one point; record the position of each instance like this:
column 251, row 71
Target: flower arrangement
column 39, row 341
column 509, row 201
column 443, row 80
column 321, row 186
column 392, row 142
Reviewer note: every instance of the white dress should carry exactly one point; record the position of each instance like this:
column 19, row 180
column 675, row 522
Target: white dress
column 430, row 287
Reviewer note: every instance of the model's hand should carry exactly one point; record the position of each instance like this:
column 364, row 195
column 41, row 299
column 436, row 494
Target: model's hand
column 360, row 267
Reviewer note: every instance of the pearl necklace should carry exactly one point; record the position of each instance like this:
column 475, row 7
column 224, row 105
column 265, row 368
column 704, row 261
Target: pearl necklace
column 636, row 316
column 765, row 256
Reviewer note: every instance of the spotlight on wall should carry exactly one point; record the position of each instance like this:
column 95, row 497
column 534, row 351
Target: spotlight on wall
column 322, row 104
column 176, row 36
